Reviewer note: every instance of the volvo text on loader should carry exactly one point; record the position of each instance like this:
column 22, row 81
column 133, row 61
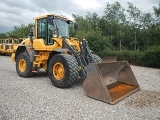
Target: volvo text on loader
column 67, row 59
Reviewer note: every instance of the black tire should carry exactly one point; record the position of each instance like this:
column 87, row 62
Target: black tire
column 27, row 72
column 70, row 70
column 96, row 58
column 2, row 54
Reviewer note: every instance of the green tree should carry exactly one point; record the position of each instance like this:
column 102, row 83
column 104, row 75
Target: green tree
column 134, row 18
column 157, row 13
column 121, row 36
column 114, row 20
column 88, row 28
column 146, row 20
column 114, row 12
column 3, row 35
column 21, row 31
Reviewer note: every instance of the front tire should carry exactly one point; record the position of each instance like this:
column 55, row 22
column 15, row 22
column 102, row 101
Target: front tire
column 23, row 65
column 96, row 58
column 63, row 70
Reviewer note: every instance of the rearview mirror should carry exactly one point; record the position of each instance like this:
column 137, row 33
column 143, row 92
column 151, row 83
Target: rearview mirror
column 75, row 26
column 31, row 33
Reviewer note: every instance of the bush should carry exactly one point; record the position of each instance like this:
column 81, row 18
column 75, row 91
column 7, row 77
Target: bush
column 107, row 53
column 151, row 57
column 148, row 58
column 133, row 57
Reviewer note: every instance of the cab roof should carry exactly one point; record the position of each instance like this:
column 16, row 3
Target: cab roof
column 57, row 16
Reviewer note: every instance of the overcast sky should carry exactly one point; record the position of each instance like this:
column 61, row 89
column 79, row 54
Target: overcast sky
column 16, row 12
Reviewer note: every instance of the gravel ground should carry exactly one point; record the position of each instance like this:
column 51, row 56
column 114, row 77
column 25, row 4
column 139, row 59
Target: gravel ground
column 37, row 98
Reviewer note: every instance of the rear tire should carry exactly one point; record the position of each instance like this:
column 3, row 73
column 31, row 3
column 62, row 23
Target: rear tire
column 96, row 58
column 63, row 70
column 23, row 65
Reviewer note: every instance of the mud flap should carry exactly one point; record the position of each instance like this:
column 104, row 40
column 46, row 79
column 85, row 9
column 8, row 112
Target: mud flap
column 110, row 81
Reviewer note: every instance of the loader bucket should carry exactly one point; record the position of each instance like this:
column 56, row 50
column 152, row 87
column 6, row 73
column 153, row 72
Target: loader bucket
column 110, row 81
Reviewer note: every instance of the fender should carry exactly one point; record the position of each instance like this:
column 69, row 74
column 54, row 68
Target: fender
column 61, row 50
column 26, row 48
column 57, row 51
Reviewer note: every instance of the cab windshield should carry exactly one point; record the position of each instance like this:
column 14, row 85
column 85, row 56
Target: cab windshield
column 62, row 27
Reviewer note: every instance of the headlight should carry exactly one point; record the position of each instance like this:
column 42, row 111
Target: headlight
column 55, row 35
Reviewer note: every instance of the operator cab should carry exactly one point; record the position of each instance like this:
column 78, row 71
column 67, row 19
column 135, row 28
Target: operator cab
column 51, row 26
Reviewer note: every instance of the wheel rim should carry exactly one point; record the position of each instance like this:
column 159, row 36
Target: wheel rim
column 22, row 65
column 58, row 71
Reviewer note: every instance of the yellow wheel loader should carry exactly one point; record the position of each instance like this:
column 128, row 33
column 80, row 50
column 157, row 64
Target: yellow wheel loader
column 8, row 46
column 67, row 60
column 2, row 47
column 1, row 42
column 15, row 44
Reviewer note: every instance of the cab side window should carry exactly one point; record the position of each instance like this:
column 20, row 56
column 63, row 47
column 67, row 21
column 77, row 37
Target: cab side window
column 42, row 23
column 51, row 28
